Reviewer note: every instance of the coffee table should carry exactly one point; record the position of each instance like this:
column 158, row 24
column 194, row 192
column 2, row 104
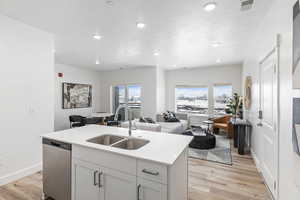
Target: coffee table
column 202, row 140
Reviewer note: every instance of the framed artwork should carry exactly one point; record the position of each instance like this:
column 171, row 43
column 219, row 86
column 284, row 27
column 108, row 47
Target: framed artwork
column 296, row 46
column 296, row 125
column 296, row 77
column 76, row 95
column 248, row 90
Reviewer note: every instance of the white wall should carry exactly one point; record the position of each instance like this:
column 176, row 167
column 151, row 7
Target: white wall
column 204, row 76
column 160, row 89
column 145, row 77
column 27, row 97
column 278, row 20
column 73, row 74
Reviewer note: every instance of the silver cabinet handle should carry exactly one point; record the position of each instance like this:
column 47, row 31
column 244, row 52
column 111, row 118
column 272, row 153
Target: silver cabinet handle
column 150, row 172
column 99, row 177
column 138, row 191
column 260, row 124
column 95, row 177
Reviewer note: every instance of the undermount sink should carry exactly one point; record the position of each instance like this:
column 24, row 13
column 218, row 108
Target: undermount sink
column 127, row 143
column 106, row 139
column 131, row 143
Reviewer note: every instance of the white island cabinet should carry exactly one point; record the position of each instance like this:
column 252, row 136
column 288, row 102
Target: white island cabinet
column 156, row 171
column 99, row 175
column 97, row 183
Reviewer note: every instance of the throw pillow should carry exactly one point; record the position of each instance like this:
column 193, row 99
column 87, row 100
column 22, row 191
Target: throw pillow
column 149, row 120
column 143, row 120
column 166, row 116
column 170, row 117
column 172, row 114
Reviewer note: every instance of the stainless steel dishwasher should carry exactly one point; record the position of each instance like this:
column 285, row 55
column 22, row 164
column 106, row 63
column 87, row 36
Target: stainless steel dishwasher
column 56, row 170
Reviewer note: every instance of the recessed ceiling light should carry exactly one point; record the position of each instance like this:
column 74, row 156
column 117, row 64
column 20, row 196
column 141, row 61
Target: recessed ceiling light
column 140, row 25
column 97, row 37
column 109, row 2
column 210, row 6
column 156, row 53
column 216, row 44
column 97, row 62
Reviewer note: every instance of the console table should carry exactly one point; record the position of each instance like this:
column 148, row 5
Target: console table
column 241, row 128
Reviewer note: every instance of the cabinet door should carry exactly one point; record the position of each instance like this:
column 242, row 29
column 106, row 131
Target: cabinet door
column 148, row 190
column 118, row 185
column 85, row 181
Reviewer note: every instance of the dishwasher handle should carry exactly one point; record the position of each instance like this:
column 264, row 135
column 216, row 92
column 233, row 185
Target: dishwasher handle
column 57, row 144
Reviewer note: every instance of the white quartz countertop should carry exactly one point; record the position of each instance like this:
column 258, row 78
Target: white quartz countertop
column 163, row 148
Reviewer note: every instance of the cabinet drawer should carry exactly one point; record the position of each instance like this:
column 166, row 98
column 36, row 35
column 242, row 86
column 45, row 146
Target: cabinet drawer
column 105, row 159
column 152, row 171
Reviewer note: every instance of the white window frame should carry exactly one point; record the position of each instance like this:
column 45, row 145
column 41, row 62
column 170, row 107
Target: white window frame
column 192, row 86
column 126, row 94
column 216, row 85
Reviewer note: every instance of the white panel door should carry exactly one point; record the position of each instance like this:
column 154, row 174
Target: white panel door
column 85, row 183
column 118, row 186
column 148, row 190
column 269, row 119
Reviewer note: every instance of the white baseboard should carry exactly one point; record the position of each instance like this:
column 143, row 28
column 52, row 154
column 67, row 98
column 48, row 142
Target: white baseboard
column 258, row 166
column 20, row 174
column 256, row 161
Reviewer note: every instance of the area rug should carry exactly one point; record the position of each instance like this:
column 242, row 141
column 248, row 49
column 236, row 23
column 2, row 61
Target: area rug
column 220, row 154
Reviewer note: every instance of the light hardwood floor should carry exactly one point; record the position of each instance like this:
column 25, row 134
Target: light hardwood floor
column 207, row 181
column 213, row 181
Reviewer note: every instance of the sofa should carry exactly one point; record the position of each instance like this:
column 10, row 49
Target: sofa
column 224, row 124
column 136, row 124
column 173, row 127
column 161, row 125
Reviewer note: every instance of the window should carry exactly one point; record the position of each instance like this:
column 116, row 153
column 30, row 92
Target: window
column 222, row 93
column 134, row 96
column 192, row 99
column 130, row 94
column 121, row 94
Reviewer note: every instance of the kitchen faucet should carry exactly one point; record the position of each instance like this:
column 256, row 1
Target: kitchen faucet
column 129, row 116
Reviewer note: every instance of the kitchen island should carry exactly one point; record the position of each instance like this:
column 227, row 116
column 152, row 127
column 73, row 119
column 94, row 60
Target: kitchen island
column 108, row 165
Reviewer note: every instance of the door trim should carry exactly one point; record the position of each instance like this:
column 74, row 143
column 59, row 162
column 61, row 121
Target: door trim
column 276, row 51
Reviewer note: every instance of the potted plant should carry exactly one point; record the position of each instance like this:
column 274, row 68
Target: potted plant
column 235, row 106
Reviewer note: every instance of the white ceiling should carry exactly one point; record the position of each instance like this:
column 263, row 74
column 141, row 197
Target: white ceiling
column 180, row 29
